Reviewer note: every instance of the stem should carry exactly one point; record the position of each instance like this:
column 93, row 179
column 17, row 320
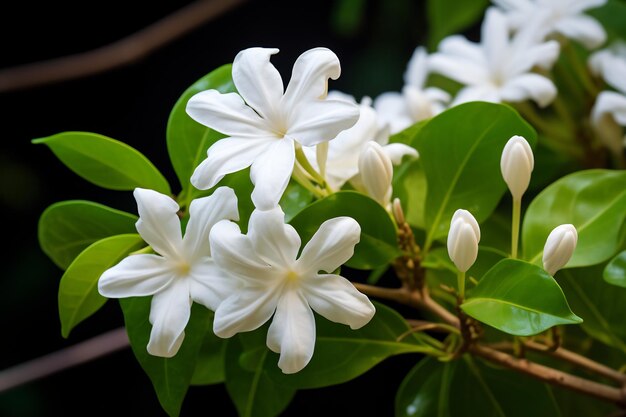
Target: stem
column 460, row 279
column 517, row 207
column 301, row 178
column 579, row 68
column 308, row 168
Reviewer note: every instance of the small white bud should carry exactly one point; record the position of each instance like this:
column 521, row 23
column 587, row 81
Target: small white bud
column 516, row 164
column 559, row 247
column 376, row 172
column 463, row 239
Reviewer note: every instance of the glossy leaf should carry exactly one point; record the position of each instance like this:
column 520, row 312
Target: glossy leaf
column 68, row 227
column 615, row 271
column 378, row 235
column 254, row 393
column 519, row 298
column 188, row 140
column 460, row 152
column 446, row 17
column 78, row 290
column 342, row 354
column 599, row 304
column 469, row 388
column 170, row 376
column 294, row 200
column 410, row 186
column 105, row 162
column 210, row 363
column 594, row 201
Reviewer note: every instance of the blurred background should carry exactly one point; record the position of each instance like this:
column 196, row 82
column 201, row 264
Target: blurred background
column 374, row 40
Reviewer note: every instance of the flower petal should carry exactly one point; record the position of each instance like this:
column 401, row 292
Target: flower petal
column 233, row 253
column 158, row 223
column 392, row 108
column 226, row 113
column 209, row 285
column 417, row 68
column 309, row 77
column 247, row 309
column 495, row 37
column 335, row 298
column 203, row 214
column 270, row 173
column 458, row 68
column 169, row 315
column 331, row 246
column 533, row 86
column 613, row 71
column 136, row 276
column 610, row 102
column 258, row 81
column 292, row 332
column 585, row 29
column 458, row 46
column 397, row 151
column 483, row 92
column 226, row 156
column 272, row 240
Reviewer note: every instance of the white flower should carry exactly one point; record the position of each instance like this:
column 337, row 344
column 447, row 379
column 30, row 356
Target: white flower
column 182, row 272
column 264, row 130
column 416, row 102
column 609, row 111
column 498, row 68
column 559, row 247
column 342, row 160
column 274, row 282
column 516, row 164
column 376, row 172
column 559, row 16
column 463, row 239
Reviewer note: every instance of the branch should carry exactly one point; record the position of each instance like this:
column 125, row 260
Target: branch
column 80, row 353
column 117, row 54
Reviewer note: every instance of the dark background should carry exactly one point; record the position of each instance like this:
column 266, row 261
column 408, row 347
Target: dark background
column 132, row 104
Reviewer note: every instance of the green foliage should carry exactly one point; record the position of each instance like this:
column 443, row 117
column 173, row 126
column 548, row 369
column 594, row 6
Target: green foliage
column 615, row 271
column 594, row 201
column 378, row 235
column 105, row 162
column 170, row 377
column 210, row 364
column 68, row 227
column 520, row 299
column 78, row 289
column 449, row 16
column 612, row 16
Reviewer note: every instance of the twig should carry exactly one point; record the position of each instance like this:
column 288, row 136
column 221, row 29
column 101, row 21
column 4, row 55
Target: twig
column 80, row 353
column 122, row 52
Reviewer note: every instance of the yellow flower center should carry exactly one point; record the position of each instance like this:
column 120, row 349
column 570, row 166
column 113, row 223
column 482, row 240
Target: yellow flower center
column 292, row 276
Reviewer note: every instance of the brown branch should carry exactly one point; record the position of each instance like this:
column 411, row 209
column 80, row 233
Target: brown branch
column 80, row 353
column 117, row 54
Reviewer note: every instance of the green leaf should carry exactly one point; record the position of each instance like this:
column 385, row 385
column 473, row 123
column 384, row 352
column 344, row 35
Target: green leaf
column 170, row 376
column 105, row 162
column 594, row 201
column 460, row 151
column 378, row 234
column 520, row 299
column 68, row 227
column 409, row 185
column 470, row 388
column 446, row 17
column 188, row 140
column 600, row 305
column 294, row 200
column 407, row 135
column 254, row 393
column 341, row 353
column 615, row 271
column 78, row 290
column 210, row 363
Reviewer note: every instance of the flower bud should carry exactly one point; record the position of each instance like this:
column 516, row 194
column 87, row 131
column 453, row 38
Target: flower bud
column 559, row 247
column 516, row 164
column 463, row 239
column 376, row 172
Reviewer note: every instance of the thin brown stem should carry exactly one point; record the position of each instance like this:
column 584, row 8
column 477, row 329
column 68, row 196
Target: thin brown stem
column 80, row 353
column 117, row 54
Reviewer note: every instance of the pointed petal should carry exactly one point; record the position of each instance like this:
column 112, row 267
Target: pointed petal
column 209, row 285
column 158, row 223
column 584, row 29
column 417, row 68
column 460, row 47
column 270, row 173
column 247, row 309
column 533, row 86
column 136, row 276
column 477, row 93
column 331, row 246
column 292, row 332
column 258, row 81
column 495, row 37
column 309, row 77
column 233, row 253
column 226, row 156
column 169, row 315
column 614, row 70
column 272, row 240
column 392, row 108
column 458, row 68
column 397, row 151
column 226, row 113
column 203, row 214
column 610, row 102
column 335, row 298
column 321, row 120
